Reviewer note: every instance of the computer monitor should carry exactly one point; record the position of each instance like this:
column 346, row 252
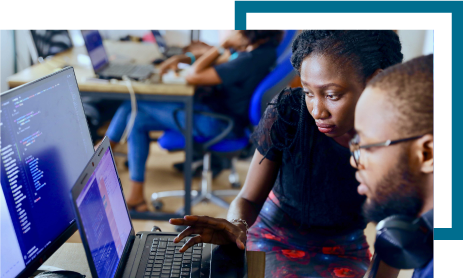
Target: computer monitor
column 95, row 48
column 45, row 144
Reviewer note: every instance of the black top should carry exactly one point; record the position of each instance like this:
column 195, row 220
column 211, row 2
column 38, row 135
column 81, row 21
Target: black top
column 240, row 78
column 316, row 184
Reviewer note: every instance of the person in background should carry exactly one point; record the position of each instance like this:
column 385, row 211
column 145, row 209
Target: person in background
column 198, row 48
column 397, row 177
column 223, row 86
column 300, row 195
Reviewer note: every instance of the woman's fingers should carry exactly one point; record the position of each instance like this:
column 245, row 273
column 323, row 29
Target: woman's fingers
column 162, row 70
column 183, row 222
column 190, row 243
column 169, row 64
column 240, row 244
column 177, row 221
column 211, row 222
column 188, row 231
column 200, row 224
column 194, row 220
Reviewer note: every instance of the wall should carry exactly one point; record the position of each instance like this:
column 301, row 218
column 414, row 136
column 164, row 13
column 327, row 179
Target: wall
column 172, row 37
column 428, row 46
column 6, row 58
column 23, row 44
column 416, row 43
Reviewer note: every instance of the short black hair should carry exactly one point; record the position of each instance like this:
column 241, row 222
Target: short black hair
column 366, row 50
column 409, row 88
column 273, row 36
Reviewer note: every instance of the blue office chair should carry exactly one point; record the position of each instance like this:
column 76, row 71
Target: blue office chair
column 273, row 83
column 285, row 44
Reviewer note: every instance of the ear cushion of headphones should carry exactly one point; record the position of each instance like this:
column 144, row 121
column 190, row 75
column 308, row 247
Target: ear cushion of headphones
column 402, row 243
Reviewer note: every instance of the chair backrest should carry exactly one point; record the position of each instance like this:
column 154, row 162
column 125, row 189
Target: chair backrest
column 285, row 43
column 277, row 80
column 273, row 83
column 50, row 42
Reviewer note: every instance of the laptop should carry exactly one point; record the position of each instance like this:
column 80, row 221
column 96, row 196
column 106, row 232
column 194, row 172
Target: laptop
column 104, row 68
column 112, row 247
column 166, row 50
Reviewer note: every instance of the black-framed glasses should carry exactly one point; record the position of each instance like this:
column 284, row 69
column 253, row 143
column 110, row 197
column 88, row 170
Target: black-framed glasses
column 355, row 147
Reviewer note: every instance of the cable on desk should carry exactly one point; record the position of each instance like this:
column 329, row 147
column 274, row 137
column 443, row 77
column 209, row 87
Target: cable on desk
column 133, row 113
column 156, row 228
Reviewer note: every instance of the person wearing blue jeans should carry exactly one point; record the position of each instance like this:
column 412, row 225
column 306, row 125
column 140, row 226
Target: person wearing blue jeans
column 227, row 76
column 156, row 116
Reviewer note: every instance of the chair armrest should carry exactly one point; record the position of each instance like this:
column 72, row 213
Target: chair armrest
column 216, row 139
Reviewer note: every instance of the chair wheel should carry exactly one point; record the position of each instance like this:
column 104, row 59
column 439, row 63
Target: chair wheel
column 157, row 205
column 126, row 164
column 236, row 184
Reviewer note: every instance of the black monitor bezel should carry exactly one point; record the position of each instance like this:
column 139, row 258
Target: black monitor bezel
column 72, row 228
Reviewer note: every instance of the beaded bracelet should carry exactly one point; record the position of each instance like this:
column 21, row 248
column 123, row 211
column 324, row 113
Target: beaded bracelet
column 242, row 221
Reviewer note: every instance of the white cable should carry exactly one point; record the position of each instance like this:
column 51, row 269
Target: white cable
column 133, row 113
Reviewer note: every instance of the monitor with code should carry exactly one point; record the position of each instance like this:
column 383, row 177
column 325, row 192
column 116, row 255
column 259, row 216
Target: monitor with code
column 45, row 144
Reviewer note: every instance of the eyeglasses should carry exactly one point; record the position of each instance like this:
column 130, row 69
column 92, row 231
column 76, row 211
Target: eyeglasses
column 355, row 147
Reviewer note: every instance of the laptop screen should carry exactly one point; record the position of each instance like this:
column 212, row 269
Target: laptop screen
column 104, row 217
column 159, row 41
column 95, row 48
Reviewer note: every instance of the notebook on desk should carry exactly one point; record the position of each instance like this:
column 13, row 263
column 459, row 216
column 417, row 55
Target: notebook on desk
column 114, row 250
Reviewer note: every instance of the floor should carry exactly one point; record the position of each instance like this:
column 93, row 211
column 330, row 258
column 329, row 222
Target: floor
column 161, row 176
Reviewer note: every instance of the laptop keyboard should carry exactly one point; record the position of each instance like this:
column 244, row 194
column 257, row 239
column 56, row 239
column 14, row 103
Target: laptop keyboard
column 128, row 69
column 166, row 261
column 118, row 69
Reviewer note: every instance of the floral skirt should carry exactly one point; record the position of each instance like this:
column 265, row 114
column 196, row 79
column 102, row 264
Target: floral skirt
column 292, row 252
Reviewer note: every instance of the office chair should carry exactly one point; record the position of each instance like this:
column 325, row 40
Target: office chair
column 282, row 50
column 285, row 44
column 50, row 42
column 221, row 146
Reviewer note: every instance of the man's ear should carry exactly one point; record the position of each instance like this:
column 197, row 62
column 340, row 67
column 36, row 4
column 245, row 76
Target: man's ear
column 425, row 152
column 373, row 75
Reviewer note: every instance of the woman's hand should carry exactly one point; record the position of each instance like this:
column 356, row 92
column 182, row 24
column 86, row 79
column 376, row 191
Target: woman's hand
column 169, row 64
column 198, row 48
column 210, row 230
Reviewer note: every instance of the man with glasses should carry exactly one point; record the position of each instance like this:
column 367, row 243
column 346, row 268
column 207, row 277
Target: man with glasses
column 393, row 150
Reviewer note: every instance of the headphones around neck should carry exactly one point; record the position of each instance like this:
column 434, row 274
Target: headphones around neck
column 404, row 242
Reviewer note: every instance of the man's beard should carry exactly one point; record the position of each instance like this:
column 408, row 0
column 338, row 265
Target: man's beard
column 397, row 193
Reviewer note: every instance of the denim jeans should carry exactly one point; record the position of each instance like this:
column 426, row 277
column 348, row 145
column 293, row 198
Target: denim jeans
column 156, row 116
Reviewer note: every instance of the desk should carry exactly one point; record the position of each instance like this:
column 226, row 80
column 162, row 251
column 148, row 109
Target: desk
column 71, row 256
column 151, row 90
